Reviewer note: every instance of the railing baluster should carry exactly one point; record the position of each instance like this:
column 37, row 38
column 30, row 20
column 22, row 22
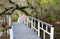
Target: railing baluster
column 38, row 28
column 43, row 35
column 31, row 23
column 46, row 28
column 42, row 24
column 27, row 21
column 34, row 23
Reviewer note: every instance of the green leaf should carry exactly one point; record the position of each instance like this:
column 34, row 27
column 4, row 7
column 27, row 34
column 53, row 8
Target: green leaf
column 53, row 2
column 43, row 2
column 1, row 29
column 29, row 1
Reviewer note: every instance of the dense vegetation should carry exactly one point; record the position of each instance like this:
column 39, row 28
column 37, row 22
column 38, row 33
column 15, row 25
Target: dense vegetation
column 45, row 10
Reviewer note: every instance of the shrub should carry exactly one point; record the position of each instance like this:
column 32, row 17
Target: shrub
column 1, row 29
column 50, row 18
column 14, row 18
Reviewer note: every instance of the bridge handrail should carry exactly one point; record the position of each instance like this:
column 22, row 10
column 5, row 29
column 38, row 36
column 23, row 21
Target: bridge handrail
column 40, row 21
column 30, row 20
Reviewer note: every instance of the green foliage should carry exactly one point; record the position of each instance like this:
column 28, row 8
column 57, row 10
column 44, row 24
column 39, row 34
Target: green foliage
column 14, row 18
column 53, row 2
column 50, row 17
column 59, row 17
column 29, row 1
column 43, row 2
column 2, row 29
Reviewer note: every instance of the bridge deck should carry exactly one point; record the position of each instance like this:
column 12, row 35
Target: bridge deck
column 21, row 31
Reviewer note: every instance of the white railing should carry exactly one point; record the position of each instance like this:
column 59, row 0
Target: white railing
column 10, row 31
column 41, row 26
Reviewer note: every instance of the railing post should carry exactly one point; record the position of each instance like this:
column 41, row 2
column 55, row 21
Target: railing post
column 11, row 33
column 46, row 28
column 38, row 28
column 52, row 33
column 9, row 20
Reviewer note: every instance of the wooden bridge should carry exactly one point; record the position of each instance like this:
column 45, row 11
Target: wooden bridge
column 30, row 28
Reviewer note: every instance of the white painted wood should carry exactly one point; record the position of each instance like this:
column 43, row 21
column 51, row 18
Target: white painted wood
column 52, row 33
column 43, row 35
column 42, row 24
column 34, row 23
column 27, row 21
column 44, row 31
column 19, row 19
column 38, row 29
column 34, row 28
column 31, row 23
column 9, row 20
column 46, row 28
column 41, row 21
column 11, row 33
